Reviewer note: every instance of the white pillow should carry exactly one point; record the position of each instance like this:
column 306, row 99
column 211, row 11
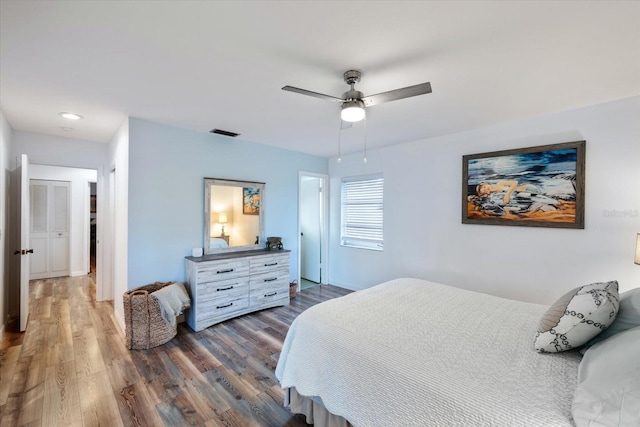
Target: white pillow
column 608, row 392
column 577, row 316
column 628, row 317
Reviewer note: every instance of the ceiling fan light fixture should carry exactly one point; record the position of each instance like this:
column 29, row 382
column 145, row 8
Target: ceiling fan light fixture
column 352, row 111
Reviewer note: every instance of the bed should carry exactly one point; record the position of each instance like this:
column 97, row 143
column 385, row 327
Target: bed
column 217, row 243
column 412, row 352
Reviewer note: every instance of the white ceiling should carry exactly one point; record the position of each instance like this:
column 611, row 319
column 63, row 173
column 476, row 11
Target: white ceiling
column 203, row 65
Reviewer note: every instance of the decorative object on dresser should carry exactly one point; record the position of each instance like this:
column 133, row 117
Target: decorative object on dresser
column 227, row 285
column 274, row 243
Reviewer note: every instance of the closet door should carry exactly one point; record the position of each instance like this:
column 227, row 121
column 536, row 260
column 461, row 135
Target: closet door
column 50, row 223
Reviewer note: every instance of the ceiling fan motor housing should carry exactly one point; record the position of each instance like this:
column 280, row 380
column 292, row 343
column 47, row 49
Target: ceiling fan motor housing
column 352, row 77
column 352, row 94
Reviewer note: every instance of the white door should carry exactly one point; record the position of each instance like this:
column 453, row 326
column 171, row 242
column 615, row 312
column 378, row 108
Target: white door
column 310, row 228
column 49, row 226
column 20, row 236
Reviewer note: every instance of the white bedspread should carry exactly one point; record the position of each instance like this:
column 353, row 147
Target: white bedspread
column 415, row 353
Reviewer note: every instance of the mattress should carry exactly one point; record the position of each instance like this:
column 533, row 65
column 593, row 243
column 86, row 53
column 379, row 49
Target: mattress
column 412, row 352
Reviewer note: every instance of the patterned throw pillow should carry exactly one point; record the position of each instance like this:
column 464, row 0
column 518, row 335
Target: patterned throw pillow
column 628, row 318
column 577, row 316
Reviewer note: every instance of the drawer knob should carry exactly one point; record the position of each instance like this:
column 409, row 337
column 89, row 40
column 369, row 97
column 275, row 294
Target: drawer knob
column 224, row 306
column 224, row 271
column 224, row 289
column 271, row 294
column 271, row 280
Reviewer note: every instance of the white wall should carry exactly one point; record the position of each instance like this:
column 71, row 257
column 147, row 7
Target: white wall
column 5, row 145
column 79, row 232
column 117, row 227
column 167, row 167
column 58, row 151
column 424, row 236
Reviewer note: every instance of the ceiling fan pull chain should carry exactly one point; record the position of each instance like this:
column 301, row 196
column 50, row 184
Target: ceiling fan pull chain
column 339, row 135
column 365, row 141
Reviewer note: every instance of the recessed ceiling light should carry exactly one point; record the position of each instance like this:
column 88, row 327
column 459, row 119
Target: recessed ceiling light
column 70, row 116
column 66, row 129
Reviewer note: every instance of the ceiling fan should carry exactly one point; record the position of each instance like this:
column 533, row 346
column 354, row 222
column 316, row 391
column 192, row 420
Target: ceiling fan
column 354, row 102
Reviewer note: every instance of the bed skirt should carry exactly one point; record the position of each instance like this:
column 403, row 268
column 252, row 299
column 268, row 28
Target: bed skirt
column 313, row 409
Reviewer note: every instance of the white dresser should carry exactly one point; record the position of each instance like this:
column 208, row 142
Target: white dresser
column 231, row 284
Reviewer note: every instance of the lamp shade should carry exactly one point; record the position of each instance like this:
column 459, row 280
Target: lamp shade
column 637, row 261
column 222, row 218
column 352, row 111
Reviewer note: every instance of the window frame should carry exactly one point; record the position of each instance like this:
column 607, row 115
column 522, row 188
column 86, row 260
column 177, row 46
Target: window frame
column 361, row 236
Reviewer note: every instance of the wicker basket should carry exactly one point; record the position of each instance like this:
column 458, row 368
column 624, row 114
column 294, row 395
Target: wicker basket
column 293, row 289
column 145, row 327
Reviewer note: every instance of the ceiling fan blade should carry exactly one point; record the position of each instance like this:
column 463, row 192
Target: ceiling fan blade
column 314, row 94
column 392, row 95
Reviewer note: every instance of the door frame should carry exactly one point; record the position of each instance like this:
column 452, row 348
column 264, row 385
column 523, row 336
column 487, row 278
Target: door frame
column 324, row 234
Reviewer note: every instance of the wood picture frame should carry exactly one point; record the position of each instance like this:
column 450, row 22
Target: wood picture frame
column 539, row 186
column 251, row 201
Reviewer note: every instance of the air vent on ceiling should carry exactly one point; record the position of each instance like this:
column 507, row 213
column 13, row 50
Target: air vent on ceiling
column 224, row 132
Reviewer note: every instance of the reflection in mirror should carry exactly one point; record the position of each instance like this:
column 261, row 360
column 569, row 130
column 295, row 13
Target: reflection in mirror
column 233, row 215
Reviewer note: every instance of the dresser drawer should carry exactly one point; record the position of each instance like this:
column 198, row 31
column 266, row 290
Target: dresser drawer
column 267, row 296
column 268, row 263
column 213, row 309
column 223, row 289
column 222, row 270
column 269, row 279
column 269, row 286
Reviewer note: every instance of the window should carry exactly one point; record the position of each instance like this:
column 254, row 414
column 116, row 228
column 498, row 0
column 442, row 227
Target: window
column 361, row 219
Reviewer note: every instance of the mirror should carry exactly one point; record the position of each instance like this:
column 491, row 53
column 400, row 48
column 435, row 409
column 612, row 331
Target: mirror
column 233, row 213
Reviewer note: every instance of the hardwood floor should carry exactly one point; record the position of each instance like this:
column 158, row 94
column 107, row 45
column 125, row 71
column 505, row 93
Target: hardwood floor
column 71, row 366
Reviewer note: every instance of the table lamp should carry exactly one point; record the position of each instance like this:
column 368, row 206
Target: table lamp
column 222, row 219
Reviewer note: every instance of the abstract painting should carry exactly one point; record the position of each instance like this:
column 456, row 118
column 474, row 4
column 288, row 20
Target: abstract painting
column 251, row 201
column 537, row 186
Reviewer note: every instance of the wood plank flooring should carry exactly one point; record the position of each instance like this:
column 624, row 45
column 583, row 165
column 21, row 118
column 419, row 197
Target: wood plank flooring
column 72, row 368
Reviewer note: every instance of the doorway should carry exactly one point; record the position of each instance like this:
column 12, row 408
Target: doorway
column 312, row 229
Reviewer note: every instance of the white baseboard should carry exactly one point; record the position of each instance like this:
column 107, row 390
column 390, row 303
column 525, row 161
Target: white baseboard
column 345, row 286
column 78, row 273
column 120, row 322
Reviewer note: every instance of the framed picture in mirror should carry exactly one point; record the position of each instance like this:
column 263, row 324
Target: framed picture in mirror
column 251, row 201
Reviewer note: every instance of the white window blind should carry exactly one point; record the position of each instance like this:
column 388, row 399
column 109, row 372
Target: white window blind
column 362, row 209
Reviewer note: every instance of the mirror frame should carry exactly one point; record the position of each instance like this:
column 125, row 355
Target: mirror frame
column 208, row 182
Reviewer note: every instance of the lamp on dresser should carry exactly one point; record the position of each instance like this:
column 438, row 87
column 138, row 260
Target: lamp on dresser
column 222, row 220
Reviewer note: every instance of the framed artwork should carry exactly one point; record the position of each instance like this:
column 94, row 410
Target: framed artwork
column 250, row 201
column 536, row 186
